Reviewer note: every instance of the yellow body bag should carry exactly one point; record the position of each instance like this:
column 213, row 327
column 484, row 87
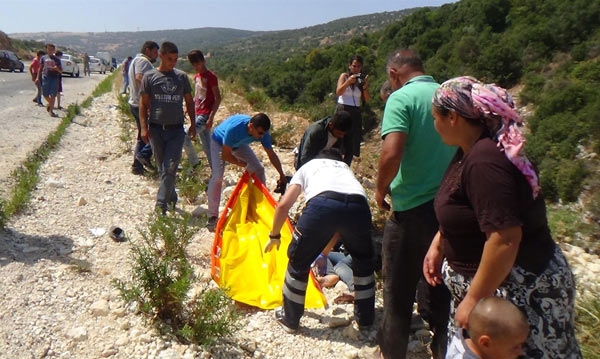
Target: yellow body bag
column 238, row 263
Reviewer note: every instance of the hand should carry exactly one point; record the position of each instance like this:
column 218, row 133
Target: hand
column 432, row 265
column 272, row 243
column 380, row 200
column 192, row 131
column 463, row 311
column 145, row 135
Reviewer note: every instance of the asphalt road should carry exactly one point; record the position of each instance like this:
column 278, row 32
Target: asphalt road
column 23, row 124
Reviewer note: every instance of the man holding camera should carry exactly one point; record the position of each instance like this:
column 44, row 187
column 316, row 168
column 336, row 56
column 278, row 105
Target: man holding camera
column 352, row 91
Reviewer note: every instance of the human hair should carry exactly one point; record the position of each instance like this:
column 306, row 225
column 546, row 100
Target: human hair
column 41, row 53
column 149, row 45
column 496, row 318
column 195, row 56
column 408, row 57
column 330, row 154
column 353, row 58
column 58, row 53
column 168, row 47
column 341, row 120
column 261, row 120
column 386, row 90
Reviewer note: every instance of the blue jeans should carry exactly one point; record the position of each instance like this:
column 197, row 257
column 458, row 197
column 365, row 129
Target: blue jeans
column 340, row 264
column 167, row 145
column 406, row 239
column 320, row 219
column 142, row 149
column 203, row 134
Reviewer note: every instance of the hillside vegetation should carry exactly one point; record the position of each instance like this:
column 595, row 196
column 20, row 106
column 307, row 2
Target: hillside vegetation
column 551, row 47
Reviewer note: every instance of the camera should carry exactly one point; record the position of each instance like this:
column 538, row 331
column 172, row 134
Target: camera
column 360, row 79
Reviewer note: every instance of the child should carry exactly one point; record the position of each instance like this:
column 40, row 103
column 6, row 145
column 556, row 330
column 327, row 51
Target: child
column 497, row 330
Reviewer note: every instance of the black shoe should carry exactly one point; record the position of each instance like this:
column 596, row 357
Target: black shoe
column 212, row 223
column 280, row 318
column 145, row 161
column 137, row 170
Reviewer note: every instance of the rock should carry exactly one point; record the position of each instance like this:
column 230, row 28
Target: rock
column 100, row 308
column 77, row 334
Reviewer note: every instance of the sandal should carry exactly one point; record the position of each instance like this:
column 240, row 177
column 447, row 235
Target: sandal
column 52, row 114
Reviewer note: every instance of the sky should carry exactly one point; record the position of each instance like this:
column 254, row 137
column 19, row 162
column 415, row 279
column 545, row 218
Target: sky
column 23, row 16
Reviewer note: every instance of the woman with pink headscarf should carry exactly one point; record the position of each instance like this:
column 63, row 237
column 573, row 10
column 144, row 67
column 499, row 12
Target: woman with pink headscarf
column 494, row 237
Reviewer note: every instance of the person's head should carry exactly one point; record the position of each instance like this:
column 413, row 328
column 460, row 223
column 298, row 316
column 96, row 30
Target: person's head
column 129, row 58
column 40, row 53
column 498, row 329
column 402, row 65
column 464, row 109
column 259, row 125
column 168, row 56
column 385, row 91
column 50, row 49
column 330, row 154
column 150, row 49
column 340, row 124
column 196, row 58
column 355, row 64
column 58, row 54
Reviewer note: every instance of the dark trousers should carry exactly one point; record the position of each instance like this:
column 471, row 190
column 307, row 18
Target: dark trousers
column 353, row 137
column 406, row 239
column 141, row 149
column 320, row 220
column 168, row 145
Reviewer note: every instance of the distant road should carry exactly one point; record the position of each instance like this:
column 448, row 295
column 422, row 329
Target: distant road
column 24, row 125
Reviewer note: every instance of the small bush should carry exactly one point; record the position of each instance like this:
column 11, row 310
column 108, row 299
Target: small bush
column 161, row 279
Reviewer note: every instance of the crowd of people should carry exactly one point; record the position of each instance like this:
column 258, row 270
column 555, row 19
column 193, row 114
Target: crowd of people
column 467, row 237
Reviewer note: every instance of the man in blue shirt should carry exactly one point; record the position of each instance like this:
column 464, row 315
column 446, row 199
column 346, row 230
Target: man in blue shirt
column 230, row 142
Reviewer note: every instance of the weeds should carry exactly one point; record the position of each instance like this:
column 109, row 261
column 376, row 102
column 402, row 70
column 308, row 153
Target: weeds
column 161, row 279
column 588, row 326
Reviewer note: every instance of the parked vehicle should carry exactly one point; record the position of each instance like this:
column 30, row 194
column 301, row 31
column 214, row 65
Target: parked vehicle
column 96, row 65
column 107, row 57
column 10, row 61
column 69, row 66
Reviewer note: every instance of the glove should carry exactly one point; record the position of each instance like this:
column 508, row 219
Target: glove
column 273, row 241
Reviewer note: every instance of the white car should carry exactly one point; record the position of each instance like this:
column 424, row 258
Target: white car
column 96, row 65
column 69, row 66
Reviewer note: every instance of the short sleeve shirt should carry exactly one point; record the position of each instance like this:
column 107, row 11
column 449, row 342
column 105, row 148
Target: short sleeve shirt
column 233, row 132
column 49, row 65
column 425, row 156
column 204, row 98
column 139, row 65
column 166, row 91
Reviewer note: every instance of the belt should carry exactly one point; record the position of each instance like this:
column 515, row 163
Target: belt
column 342, row 197
column 166, row 127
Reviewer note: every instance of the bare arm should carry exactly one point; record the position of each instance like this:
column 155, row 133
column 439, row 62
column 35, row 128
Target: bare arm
column 276, row 163
column 392, row 151
column 144, row 112
column 344, row 81
column 227, row 155
column 191, row 111
column 432, row 264
column 498, row 258
column 215, row 106
column 285, row 203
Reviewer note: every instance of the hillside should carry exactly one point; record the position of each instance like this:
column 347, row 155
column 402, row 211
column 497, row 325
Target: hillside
column 222, row 40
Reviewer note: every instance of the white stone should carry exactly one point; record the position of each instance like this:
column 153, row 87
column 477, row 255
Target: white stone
column 100, row 308
column 77, row 334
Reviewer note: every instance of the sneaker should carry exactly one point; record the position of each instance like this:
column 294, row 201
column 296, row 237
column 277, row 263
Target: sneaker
column 279, row 317
column 212, row 223
column 145, row 161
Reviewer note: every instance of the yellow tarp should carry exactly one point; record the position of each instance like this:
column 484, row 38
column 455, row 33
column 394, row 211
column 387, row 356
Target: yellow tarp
column 237, row 259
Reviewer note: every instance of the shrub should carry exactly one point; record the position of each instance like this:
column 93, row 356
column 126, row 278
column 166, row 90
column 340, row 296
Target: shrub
column 161, row 279
column 588, row 326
